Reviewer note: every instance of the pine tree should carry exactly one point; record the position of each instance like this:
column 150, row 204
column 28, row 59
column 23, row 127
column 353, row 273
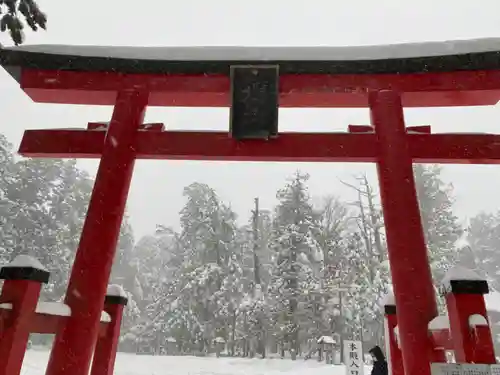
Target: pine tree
column 441, row 226
column 483, row 236
column 296, row 284
column 205, row 290
column 8, row 205
column 17, row 13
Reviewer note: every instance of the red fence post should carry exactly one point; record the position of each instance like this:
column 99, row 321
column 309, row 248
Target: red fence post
column 464, row 292
column 107, row 343
column 415, row 301
column 74, row 344
column 21, row 289
column 394, row 357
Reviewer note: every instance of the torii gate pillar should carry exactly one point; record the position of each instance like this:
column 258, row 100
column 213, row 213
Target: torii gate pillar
column 411, row 274
column 74, row 344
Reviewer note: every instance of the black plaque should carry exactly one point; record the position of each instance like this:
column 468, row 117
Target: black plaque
column 254, row 105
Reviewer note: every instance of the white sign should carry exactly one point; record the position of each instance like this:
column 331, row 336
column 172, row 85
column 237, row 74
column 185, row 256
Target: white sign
column 353, row 357
column 464, row 369
column 446, row 369
column 470, row 369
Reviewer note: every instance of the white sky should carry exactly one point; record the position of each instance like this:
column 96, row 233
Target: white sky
column 156, row 192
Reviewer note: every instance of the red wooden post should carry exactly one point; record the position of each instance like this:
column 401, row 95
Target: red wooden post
column 439, row 338
column 394, row 357
column 74, row 344
column 464, row 291
column 415, row 301
column 107, row 344
column 23, row 281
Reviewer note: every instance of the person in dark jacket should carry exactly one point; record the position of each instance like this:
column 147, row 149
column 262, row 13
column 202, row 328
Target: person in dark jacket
column 379, row 362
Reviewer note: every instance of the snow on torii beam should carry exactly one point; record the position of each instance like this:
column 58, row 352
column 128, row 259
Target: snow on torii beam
column 287, row 147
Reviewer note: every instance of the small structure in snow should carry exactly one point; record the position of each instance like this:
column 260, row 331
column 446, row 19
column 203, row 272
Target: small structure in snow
column 439, row 323
column 477, row 320
column 116, row 290
column 26, row 261
column 220, row 345
column 326, row 345
column 171, row 345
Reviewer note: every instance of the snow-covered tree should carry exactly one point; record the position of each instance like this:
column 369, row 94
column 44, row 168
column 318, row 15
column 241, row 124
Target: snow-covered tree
column 365, row 270
column 203, row 295
column 441, row 226
column 296, row 282
column 483, row 236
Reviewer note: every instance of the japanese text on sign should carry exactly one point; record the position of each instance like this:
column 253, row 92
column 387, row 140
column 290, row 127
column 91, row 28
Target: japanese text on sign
column 353, row 357
column 462, row 369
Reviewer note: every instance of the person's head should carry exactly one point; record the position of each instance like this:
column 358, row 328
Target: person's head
column 377, row 353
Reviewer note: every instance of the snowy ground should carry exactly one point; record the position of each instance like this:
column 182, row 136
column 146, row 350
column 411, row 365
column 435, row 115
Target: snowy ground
column 129, row 364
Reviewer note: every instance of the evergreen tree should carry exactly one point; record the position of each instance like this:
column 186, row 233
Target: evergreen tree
column 8, row 206
column 483, row 238
column 296, row 284
column 17, row 13
column 205, row 287
column 441, row 226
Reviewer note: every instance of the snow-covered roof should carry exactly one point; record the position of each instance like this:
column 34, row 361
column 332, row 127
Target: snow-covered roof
column 116, row 290
column 26, row 261
column 459, row 273
column 326, row 340
column 239, row 53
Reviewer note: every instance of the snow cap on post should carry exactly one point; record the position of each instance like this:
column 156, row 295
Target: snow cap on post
column 116, row 295
column 388, row 303
column 461, row 280
column 24, row 267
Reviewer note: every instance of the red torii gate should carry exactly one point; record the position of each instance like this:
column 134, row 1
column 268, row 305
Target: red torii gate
column 254, row 82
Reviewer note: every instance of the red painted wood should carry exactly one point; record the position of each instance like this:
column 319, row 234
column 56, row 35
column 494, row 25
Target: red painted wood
column 394, row 356
column 441, row 339
column 483, row 349
column 23, row 295
column 460, row 308
column 298, row 147
column 74, row 344
column 408, row 260
column 42, row 323
column 103, row 362
column 320, row 91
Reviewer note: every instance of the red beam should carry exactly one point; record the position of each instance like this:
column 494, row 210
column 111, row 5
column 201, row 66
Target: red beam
column 42, row 323
column 321, row 91
column 287, row 147
column 441, row 339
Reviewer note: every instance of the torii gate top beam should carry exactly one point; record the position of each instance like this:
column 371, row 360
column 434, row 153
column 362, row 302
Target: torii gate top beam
column 455, row 73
